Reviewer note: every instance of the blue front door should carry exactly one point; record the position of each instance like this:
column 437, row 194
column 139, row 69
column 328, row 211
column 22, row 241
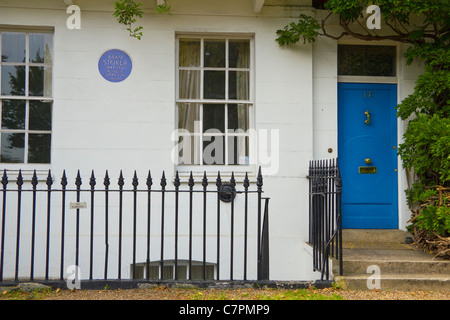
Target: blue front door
column 367, row 153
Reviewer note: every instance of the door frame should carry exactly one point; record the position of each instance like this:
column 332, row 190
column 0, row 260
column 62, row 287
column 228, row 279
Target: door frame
column 402, row 183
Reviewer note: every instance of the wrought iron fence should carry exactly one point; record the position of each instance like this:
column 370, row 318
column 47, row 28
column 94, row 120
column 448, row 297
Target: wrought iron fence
column 127, row 231
column 325, row 228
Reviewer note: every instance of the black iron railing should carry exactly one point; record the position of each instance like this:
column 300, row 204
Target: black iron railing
column 105, row 229
column 325, row 219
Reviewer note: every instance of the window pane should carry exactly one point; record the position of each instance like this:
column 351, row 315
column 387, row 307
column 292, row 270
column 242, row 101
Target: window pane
column 41, row 45
column 40, row 81
column 13, row 80
column 40, row 116
column 13, row 114
column 238, row 117
column 214, row 85
column 238, row 150
column 39, row 148
column 239, row 54
column 238, row 85
column 197, row 272
column 214, row 117
column 154, row 273
column 182, row 272
column 13, row 147
column 13, row 47
column 189, row 55
column 213, row 150
column 189, row 117
column 360, row 60
column 188, row 150
column 214, row 55
column 168, row 272
column 189, row 84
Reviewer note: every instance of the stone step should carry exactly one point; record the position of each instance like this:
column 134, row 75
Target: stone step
column 387, row 256
column 405, row 281
column 375, row 235
column 357, row 261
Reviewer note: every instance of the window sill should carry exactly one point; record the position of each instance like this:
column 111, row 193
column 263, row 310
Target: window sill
column 27, row 170
column 212, row 172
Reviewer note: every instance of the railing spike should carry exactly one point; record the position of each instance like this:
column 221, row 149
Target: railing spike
column 19, row 180
column 135, row 181
column 191, row 181
column 149, row 179
column 232, row 180
column 4, row 179
column 204, row 180
column 34, row 179
column 218, row 180
column 78, row 180
column 163, row 180
column 92, row 181
column 176, row 181
column 121, row 180
column 106, row 180
column 246, row 181
column 259, row 179
column 64, row 180
column 49, row 178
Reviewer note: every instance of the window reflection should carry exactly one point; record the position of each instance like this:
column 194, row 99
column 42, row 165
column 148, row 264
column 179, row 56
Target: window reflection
column 366, row 60
column 13, row 47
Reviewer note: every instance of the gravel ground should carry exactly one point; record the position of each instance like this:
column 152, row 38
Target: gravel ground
column 164, row 293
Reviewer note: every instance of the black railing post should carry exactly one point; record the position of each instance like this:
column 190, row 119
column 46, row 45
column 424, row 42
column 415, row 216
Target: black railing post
column 259, row 184
column 121, row 183
column 339, row 217
column 246, row 186
column 191, row 186
column 19, row 183
column 2, row 247
column 232, row 185
column 63, row 222
column 219, row 186
column 34, row 182
column 92, row 183
column 265, row 242
column 149, row 187
column 49, row 183
column 163, row 194
column 135, row 184
column 205, row 185
column 176, row 183
column 78, row 183
column 106, row 183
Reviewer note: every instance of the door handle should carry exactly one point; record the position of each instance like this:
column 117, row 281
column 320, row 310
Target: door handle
column 367, row 113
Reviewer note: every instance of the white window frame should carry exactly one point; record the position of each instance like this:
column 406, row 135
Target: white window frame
column 199, row 169
column 27, row 98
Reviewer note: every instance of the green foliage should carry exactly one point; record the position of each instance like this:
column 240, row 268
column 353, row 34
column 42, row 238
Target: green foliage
column 426, row 148
column 163, row 8
column 435, row 219
column 434, row 213
column 126, row 12
column 306, row 29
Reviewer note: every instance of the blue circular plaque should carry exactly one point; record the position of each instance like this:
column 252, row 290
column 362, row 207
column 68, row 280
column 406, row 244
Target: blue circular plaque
column 115, row 65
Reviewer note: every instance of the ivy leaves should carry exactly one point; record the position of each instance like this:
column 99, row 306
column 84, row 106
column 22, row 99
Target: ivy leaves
column 126, row 12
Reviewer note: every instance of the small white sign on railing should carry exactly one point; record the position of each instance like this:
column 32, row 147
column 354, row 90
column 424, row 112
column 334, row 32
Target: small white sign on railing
column 78, row 205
